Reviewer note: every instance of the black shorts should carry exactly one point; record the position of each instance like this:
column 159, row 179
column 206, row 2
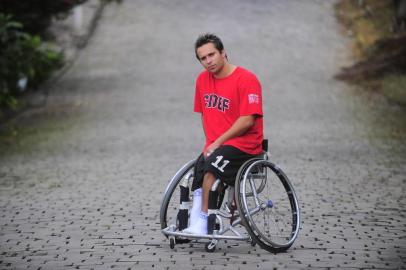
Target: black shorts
column 224, row 163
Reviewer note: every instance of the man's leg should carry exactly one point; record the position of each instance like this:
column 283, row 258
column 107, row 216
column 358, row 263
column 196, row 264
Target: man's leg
column 208, row 182
column 223, row 164
column 199, row 224
column 197, row 184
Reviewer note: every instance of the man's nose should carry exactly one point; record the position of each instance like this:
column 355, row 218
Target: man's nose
column 209, row 60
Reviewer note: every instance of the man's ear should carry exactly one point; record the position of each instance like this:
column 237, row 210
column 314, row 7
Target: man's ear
column 224, row 54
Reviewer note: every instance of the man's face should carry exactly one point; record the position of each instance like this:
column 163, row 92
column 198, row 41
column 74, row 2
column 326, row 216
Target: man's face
column 212, row 59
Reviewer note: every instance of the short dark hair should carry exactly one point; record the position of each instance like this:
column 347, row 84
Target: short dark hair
column 208, row 38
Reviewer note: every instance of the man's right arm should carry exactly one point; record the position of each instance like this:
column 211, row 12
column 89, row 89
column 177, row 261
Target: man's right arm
column 204, row 130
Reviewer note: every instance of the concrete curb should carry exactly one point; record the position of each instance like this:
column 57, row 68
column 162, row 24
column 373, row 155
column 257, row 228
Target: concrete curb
column 74, row 40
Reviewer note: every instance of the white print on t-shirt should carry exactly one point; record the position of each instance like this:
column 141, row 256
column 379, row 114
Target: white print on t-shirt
column 253, row 98
column 217, row 163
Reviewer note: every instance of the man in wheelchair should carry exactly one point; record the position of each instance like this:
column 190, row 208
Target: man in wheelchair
column 229, row 99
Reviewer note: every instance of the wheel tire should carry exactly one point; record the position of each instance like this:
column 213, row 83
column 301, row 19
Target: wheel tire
column 173, row 184
column 247, row 204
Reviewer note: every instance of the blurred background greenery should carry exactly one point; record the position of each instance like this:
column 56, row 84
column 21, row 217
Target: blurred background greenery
column 377, row 29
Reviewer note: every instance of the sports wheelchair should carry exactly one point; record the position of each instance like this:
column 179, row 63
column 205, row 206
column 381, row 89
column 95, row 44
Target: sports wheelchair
column 262, row 207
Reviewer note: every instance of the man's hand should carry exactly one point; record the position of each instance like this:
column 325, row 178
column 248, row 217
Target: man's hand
column 212, row 147
column 240, row 126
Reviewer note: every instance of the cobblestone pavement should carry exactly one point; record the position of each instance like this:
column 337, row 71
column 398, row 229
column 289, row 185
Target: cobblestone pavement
column 81, row 189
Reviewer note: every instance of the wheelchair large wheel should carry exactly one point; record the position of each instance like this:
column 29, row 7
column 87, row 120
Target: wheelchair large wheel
column 268, row 205
column 171, row 200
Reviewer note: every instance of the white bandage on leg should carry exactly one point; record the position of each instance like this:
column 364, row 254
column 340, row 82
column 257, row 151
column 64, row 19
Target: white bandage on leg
column 199, row 227
column 196, row 207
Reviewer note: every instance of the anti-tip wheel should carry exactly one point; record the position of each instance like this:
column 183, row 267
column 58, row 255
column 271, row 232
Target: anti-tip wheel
column 210, row 247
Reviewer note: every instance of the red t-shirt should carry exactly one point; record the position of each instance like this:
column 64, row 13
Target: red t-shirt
column 223, row 101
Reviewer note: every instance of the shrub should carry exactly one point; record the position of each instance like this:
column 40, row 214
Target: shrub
column 36, row 15
column 25, row 61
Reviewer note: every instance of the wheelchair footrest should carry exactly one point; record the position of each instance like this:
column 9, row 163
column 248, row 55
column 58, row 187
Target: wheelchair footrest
column 169, row 231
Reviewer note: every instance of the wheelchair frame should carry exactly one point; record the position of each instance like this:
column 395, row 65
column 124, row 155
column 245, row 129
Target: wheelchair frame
column 236, row 210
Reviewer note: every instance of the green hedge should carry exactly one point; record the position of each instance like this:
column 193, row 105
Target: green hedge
column 36, row 15
column 25, row 61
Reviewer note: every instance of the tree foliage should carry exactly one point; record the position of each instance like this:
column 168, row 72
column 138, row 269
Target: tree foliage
column 25, row 60
column 36, row 15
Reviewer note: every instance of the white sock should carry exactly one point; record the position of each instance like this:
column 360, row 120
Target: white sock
column 196, row 206
column 200, row 226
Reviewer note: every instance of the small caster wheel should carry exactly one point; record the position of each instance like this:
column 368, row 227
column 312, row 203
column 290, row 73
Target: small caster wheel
column 252, row 242
column 172, row 242
column 210, row 247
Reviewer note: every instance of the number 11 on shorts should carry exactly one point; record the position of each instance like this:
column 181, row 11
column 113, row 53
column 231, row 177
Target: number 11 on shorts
column 216, row 164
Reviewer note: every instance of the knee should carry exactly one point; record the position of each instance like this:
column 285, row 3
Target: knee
column 208, row 176
column 208, row 179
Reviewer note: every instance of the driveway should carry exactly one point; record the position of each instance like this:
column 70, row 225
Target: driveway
column 81, row 189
